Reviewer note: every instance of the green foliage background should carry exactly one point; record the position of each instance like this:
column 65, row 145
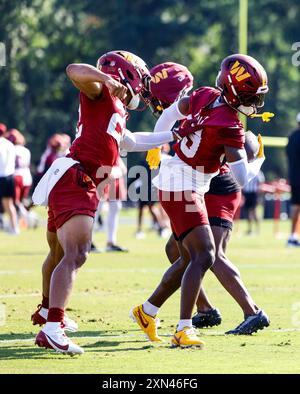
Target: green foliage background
column 43, row 36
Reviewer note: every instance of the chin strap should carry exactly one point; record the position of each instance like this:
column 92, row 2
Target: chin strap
column 265, row 116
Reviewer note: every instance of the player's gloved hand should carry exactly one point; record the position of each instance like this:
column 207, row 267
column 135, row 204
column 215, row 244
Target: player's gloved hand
column 186, row 128
column 265, row 116
column 261, row 151
column 153, row 158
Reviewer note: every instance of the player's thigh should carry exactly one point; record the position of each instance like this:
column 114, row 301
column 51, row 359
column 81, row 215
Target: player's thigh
column 52, row 241
column 8, row 203
column 184, row 253
column 76, row 234
column 295, row 209
column 221, row 237
column 186, row 211
column 172, row 249
column 199, row 243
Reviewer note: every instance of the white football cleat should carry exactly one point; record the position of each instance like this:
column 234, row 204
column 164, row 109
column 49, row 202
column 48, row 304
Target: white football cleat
column 57, row 340
column 69, row 324
column 140, row 235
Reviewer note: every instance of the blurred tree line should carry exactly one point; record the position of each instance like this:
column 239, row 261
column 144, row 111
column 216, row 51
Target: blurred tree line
column 43, row 36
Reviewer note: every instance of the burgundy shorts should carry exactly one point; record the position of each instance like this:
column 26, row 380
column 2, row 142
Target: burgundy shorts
column 74, row 194
column 186, row 211
column 221, row 209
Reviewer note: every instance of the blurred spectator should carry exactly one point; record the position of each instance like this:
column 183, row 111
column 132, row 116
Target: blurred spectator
column 7, row 185
column 251, row 194
column 293, row 154
column 114, row 194
column 23, row 178
column 56, row 147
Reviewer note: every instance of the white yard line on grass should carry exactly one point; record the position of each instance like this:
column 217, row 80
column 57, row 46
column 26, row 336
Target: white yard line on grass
column 153, row 270
column 9, row 295
column 211, row 333
column 75, row 294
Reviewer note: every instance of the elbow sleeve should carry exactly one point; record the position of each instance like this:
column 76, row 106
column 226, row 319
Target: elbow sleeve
column 244, row 172
column 143, row 141
column 168, row 118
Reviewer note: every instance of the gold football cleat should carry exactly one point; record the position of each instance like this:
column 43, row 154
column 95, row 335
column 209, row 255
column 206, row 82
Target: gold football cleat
column 187, row 337
column 147, row 323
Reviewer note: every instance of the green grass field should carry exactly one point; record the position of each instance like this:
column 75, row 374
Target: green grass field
column 110, row 284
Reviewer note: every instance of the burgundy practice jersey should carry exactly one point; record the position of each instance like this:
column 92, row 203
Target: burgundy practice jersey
column 220, row 126
column 99, row 130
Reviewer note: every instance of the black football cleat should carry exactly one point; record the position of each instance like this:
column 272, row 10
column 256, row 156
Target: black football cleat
column 210, row 318
column 94, row 249
column 293, row 243
column 251, row 324
column 115, row 248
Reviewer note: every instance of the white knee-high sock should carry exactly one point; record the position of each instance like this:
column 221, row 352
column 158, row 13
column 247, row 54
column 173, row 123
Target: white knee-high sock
column 113, row 221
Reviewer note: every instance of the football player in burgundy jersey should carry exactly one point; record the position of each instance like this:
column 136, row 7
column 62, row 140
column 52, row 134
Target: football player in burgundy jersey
column 222, row 201
column 105, row 91
column 169, row 82
column 183, row 181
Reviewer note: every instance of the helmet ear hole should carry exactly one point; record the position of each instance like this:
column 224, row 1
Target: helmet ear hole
column 249, row 83
column 130, row 75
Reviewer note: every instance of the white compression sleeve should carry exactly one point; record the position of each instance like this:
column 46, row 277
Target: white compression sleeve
column 143, row 141
column 168, row 118
column 243, row 171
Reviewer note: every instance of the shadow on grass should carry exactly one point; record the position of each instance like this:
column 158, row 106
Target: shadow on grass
column 16, row 336
column 125, row 349
column 79, row 334
column 102, row 333
column 23, row 352
column 13, row 351
column 19, row 352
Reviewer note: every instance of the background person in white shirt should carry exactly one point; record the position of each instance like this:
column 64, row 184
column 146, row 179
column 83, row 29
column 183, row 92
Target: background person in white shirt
column 23, row 178
column 7, row 186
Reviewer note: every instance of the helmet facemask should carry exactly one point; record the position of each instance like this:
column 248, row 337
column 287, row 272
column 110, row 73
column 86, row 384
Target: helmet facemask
column 250, row 104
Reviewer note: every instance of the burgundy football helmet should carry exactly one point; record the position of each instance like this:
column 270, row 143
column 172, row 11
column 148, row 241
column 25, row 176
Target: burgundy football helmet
column 14, row 136
column 169, row 82
column 127, row 68
column 243, row 82
column 56, row 141
column 3, row 129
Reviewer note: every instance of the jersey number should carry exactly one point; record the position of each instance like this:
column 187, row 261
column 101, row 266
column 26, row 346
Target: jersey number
column 189, row 145
column 116, row 126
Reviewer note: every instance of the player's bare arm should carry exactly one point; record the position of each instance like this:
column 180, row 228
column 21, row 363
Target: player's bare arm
column 90, row 81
